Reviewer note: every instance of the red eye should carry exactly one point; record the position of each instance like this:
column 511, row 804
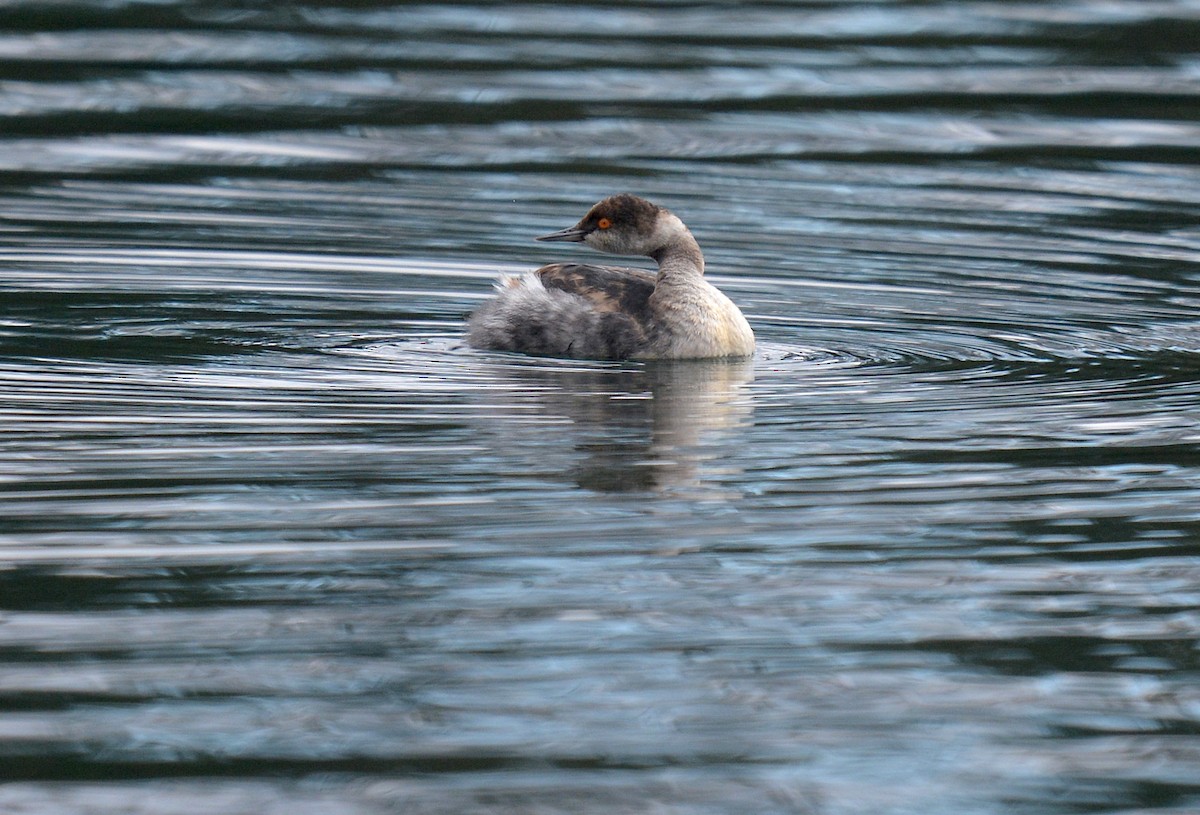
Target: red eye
column 603, row 223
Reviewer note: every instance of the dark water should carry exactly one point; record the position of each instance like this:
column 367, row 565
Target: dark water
column 274, row 541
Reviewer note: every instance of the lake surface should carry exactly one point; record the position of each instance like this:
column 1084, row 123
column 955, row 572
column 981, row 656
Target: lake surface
column 273, row 540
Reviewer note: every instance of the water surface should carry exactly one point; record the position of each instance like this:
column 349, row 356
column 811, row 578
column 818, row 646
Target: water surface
column 274, row 540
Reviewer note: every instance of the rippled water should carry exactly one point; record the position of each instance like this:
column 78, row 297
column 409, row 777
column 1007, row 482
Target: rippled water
column 274, row 540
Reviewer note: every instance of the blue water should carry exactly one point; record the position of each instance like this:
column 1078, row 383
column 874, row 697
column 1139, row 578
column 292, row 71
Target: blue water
column 274, row 540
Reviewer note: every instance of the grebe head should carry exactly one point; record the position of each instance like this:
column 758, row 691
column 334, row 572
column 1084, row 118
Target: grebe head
column 624, row 225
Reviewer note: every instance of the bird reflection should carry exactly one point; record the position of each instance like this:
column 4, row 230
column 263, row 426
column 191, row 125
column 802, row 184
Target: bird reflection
column 662, row 426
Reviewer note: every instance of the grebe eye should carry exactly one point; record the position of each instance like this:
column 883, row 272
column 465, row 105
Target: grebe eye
column 603, row 223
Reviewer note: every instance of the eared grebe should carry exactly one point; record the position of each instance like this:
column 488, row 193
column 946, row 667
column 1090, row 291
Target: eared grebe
column 608, row 312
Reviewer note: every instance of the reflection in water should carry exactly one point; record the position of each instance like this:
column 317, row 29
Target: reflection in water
column 657, row 427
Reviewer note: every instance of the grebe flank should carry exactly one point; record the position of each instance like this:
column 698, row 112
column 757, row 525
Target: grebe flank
column 608, row 312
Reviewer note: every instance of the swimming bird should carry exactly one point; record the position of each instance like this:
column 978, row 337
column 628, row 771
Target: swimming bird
column 584, row 311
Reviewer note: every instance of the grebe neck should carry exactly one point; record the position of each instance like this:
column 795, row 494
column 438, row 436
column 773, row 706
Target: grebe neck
column 679, row 259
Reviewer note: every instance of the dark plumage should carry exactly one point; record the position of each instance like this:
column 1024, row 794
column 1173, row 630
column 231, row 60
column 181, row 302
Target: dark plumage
column 609, row 288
